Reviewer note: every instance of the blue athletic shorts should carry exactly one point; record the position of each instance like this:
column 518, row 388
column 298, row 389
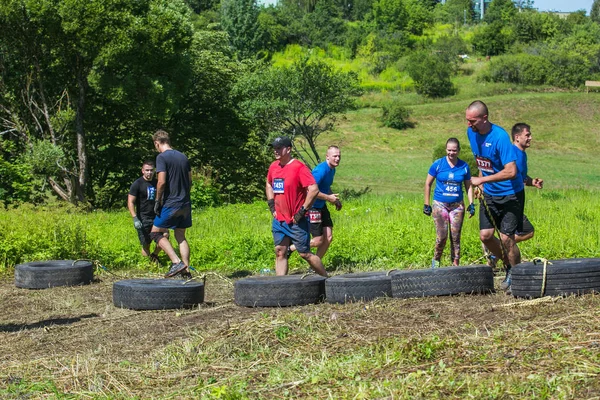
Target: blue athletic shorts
column 298, row 233
column 173, row 218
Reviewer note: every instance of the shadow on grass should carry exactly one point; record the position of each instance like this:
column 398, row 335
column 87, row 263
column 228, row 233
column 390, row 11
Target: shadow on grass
column 44, row 323
column 240, row 274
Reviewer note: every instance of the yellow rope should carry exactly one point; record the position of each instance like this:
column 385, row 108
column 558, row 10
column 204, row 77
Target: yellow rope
column 526, row 302
column 544, row 274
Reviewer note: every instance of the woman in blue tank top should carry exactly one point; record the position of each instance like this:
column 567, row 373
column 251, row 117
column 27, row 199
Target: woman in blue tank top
column 450, row 174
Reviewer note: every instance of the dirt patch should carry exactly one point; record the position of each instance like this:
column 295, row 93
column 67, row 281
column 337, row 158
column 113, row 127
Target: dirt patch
column 75, row 335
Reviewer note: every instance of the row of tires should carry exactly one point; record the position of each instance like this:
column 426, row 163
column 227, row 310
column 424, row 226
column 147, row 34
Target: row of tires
column 364, row 286
column 529, row 280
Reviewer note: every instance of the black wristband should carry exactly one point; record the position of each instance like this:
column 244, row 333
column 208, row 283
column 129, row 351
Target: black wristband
column 271, row 203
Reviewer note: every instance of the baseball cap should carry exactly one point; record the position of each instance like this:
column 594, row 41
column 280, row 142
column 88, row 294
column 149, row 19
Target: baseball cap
column 282, row 141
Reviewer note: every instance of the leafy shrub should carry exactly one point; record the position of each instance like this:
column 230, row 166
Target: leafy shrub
column 204, row 194
column 430, row 74
column 519, row 68
column 394, row 115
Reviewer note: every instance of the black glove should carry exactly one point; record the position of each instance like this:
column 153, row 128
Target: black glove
column 427, row 210
column 471, row 209
column 271, row 203
column 338, row 205
column 157, row 208
column 300, row 215
column 137, row 223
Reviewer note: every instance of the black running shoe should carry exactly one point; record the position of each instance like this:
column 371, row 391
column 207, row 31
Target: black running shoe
column 175, row 269
column 154, row 258
column 186, row 274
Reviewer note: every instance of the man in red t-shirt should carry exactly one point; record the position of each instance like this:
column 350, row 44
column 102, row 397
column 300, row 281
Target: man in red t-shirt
column 291, row 191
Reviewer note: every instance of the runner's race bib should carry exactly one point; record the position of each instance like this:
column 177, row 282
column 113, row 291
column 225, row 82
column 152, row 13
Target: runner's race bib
column 484, row 165
column 451, row 189
column 314, row 216
column 278, row 185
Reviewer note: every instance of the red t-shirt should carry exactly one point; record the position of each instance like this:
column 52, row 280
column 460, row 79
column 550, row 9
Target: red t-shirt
column 289, row 185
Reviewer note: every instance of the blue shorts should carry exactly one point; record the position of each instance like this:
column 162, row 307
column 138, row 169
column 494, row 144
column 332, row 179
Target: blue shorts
column 298, row 233
column 174, row 218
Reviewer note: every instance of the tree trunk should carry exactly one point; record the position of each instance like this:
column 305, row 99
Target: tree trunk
column 79, row 129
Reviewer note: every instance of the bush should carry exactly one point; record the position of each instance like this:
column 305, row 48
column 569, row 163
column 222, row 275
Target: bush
column 430, row 74
column 395, row 116
column 523, row 69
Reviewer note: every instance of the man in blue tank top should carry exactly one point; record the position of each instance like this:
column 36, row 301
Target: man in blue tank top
column 521, row 136
column 503, row 198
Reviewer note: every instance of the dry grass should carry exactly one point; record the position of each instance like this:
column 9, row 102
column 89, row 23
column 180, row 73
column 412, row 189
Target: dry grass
column 72, row 343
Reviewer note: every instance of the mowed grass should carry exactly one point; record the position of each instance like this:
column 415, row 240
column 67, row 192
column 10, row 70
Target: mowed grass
column 564, row 150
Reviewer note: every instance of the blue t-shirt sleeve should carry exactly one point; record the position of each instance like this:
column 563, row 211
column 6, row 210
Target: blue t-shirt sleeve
column 433, row 170
column 506, row 150
column 160, row 164
column 467, row 172
column 319, row 173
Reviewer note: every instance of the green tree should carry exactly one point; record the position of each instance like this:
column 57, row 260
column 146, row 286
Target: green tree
column 500, row 11
column 239, row 18
column 430, row 74
column 455, row 11
column 491, row 39
column 390, row 15
column 595, row 11
column 89, row 75
column 301, row 100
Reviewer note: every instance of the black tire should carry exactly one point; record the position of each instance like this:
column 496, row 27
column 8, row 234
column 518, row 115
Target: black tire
column 157, row 294
column 563, row 277
column 362, row 286
column 47, row 274
column 279, row 291
column 477, row 279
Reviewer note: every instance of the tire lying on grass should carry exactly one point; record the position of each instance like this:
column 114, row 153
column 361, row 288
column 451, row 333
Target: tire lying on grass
column 477, row 279
column 363, row 286
column 47, row 274
column 563, row 278
column 157, row 294
column 279, row 291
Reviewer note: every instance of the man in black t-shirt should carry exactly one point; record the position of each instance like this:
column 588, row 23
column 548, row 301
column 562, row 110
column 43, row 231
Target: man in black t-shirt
column 173, row 206
column 140, row 203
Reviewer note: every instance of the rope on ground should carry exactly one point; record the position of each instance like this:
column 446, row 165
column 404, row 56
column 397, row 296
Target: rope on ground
column 527, row 302
column 98, row 265
column 544, row 275
column 204, row 275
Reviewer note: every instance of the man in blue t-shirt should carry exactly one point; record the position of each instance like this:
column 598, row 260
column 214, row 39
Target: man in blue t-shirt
column 173, row 206
column 521, row 136
column 321, row 225
column 503, row 197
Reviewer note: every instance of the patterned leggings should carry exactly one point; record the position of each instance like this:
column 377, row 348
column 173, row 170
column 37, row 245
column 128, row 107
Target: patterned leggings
column 444, row 215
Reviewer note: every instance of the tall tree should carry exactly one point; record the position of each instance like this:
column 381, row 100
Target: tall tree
column 81, row 71
column 301, row 100
column 595, row 11
column 239, row 18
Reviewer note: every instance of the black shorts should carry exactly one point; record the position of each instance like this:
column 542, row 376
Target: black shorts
column 506, row 212
column 527, row 226
column 144, row 234
column 319, row 218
